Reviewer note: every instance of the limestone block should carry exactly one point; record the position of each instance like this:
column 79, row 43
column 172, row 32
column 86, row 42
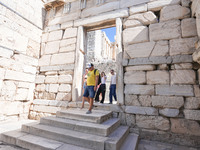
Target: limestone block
column 125, row 3
column 19, row 76
column 93, row 11
column 182, row 46
column 67, row 24
column 50, row 96
column 140, row 68
column 192, row 103
column 52, row 28
column 188, row 27
column 161, row 49
column 163, row 67
column 51, row 73
column 68, row 48
column 65, row 88
column 192, row 114
column 184, row 126
column 57, row 68
column 65, row 79
column 135, row 77
column 140, row 49
column 182, row 77
column 165, row 31
column 58, row 103
column 130, row 120
column 70, row 33
column 135, row 35
column 33, row 49
column 185, row 3
column 8, row 90
column 21, row 94
column 131, row 100
column 46, row 109
column 11, row 108
column 2, row 73
column 177, row 90
column 183, row 66
column 141, row 110
column 39, row 79
column 158, row 5
column 131, row 23
column 145, row 101
column 62, row 58
column 26, row 59
column 169, row 112
column 139, row 89
column 174, row 12
column 64, row 96
column 158, row 77
column 52, row 47
column 40, row 87
column 181, row 59
column 196, row 91
column 5, row 52
column 53, row 88
column 41, row 102
column 51, row 79
column 152, row 122
column 55, row 35
column 138, row 9
column 167, row 102
column 145, row 18
column 67, row 42
column 44, row 60
column 29, row 69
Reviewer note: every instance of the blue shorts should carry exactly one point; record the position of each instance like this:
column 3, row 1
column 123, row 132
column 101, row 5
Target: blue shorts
column 89, row 91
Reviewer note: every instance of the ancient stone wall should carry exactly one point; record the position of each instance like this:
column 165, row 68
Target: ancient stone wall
column 20, row 35
column 162, row 100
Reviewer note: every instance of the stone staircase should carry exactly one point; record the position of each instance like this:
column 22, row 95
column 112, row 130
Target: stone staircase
column 72, row 129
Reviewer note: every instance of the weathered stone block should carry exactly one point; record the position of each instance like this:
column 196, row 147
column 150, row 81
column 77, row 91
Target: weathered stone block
column 67, row 42
column 65, row 88
column 196, row 90
column 183, row 126
column 135, row 35
column 53, row 88
column 39, row 79
column 138, row 9
column 44, row 60
column 131, row 23
column 188, row 27
column 182, row 46
column 52, row 28
column 68, row 48
column 141, row 110
column 158, row 5
column 125, row 3
column 192, row 103
column 135, row 77
column 47, row 109
column 139, row 89
column 130, row 120
column 169, row 112
column 152, row 122
column 145, row 101
column 165, row 31
column 64, row 96
column 182, row 77
column 177, row 90
column 185, row 3
column 45, row 37
column 52, row 47
column 192, row 114
column 62, row 58
column 40, row 87
column 51, row 79
column 57, row 68
column 19, row 76
column 67, row 24
column 161, row 49
column 21, row 94
column 131, row 100
column 140, row 68
column 55, row 35
column 70, row 33
column 163, row 67
column 183, row 66
column 157, row 77
column 174, row 12
column 167, row 102
column 65, row 79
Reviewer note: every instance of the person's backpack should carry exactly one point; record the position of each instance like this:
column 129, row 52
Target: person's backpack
column 99, row 81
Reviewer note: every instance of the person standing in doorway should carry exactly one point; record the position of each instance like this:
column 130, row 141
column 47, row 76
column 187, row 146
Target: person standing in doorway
column 92, row 82
column 112, row 87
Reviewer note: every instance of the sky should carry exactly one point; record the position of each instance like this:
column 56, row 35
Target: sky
column 110, row 32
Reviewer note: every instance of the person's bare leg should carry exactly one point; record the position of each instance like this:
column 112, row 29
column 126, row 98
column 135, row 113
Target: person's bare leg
column 91, row 104
column 83, row 101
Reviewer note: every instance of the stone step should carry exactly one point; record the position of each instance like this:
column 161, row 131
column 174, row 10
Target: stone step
column 116, row 138
column 67, row 136
column 103, row 129
column 97, row 116
column 33, row 142
column 131, row 142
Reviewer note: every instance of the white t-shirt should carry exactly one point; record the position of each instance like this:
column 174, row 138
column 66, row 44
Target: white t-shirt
column 103, row 80
column 113, row 79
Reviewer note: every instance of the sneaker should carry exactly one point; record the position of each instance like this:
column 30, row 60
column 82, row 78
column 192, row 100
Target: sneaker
column 89, row 112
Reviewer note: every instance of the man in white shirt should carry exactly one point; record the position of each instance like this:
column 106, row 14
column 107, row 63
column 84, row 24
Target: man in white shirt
column 112, row 87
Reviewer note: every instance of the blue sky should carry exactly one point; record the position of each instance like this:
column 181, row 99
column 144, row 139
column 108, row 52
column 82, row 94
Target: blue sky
column 110, row 32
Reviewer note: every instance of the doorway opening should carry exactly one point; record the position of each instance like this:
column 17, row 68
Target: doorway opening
column 101, row 51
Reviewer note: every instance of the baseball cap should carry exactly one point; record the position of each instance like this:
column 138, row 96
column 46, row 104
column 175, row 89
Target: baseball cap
column 90, row 65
